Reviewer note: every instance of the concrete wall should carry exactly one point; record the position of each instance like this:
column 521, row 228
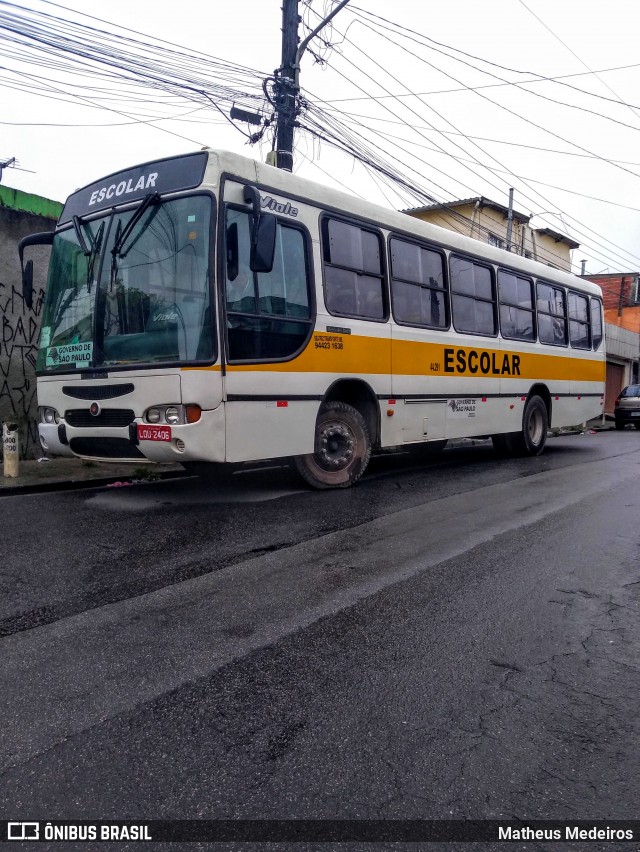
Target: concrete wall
column 621, row 343
column 21, row 214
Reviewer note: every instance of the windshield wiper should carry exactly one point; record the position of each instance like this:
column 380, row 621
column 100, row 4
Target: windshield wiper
column 121, row 238
column 88, row 251
column 77, row 224
column 123, row 235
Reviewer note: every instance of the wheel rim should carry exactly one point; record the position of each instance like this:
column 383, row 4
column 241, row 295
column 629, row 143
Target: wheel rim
column 336, row 446
column 536, row 427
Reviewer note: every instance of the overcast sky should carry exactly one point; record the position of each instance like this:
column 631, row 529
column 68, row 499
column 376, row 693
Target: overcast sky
column 444, row 124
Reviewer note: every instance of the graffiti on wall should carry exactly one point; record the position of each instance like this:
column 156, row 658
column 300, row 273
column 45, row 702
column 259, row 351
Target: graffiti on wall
column 18, row 352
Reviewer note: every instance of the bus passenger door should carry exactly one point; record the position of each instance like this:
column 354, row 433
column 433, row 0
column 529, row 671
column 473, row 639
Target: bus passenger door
column 267, row 324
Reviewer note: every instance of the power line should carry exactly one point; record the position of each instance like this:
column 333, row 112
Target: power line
column 581, row 61
column 547, row 201
column 539, row 78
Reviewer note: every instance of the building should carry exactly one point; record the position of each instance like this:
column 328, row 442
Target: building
column 622, row 330
column 620, row 296
column 487, row 220
column 21, row 214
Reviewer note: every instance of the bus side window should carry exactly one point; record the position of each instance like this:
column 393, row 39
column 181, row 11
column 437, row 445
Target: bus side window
column 516, row 306
column 596, row 322
column 552, row 319
column 418, row 285
column 353, row 276
column 473, row 297
column 579, row 322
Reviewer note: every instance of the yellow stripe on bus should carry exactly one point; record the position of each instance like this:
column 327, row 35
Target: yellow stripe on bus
column 359, row 355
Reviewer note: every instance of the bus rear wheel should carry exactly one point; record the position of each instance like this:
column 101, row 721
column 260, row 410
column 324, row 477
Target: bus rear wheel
column 535, row 423
column 342, row 448
column 533, row 437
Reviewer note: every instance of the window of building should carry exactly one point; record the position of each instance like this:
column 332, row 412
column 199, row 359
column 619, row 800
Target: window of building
column 494, row 240
column 418, row 288
column 516, row 306
column 472, row 297
column 579, row 321
column 353, row 277
column 552, row 317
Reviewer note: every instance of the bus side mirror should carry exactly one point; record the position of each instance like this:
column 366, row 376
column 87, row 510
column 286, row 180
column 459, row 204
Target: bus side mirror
column 263, row 246
column 42, row 239
column 27, row 284
column 263, row 233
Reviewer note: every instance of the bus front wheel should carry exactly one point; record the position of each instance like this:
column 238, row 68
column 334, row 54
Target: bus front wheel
column 342, row 448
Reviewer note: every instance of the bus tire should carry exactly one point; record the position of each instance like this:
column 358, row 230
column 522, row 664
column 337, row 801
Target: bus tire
column 533, row 437
column 342, row 448
column 535, row 421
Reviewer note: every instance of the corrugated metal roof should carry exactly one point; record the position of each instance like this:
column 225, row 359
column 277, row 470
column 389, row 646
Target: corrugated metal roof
column 480, row 200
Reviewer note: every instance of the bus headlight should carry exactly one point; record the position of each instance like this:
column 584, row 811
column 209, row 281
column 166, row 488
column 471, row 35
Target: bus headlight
column 173, row 415
column 49, row 415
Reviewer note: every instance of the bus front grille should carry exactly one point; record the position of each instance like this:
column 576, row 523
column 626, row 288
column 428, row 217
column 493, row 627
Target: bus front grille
column 105, row 448
column 98, row 392
column 82, row 417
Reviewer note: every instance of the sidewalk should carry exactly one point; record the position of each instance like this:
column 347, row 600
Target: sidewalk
column 68, row 473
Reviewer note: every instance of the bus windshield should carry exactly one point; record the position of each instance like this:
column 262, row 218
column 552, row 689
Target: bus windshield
column 130, row 288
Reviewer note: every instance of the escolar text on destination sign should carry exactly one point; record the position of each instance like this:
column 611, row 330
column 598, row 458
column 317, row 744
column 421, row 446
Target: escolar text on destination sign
column 485, row 363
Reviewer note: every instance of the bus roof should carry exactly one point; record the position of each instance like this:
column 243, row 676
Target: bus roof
column 319, row 195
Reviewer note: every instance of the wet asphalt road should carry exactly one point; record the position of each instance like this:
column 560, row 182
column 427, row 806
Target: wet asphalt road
column 453, row 638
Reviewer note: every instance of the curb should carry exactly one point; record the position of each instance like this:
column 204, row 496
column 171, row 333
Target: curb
column 81, row 484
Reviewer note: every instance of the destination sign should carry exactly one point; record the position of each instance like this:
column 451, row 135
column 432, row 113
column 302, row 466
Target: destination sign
column 169, row 175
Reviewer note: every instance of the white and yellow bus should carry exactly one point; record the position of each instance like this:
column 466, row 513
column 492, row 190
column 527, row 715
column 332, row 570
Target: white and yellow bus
column 211, row 308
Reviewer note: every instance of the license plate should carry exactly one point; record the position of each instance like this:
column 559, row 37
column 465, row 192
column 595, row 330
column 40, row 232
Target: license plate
column 635, row 413
column 153, row 433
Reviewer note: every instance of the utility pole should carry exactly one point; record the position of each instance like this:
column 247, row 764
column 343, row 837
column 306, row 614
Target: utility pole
column 288, row 78
column 287, row 95
column 510, row 220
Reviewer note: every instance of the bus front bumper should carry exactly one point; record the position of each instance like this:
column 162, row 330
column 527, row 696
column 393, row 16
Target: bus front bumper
column 201, row 441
